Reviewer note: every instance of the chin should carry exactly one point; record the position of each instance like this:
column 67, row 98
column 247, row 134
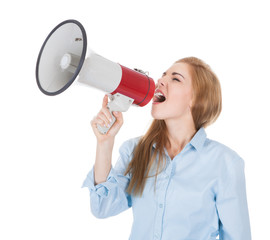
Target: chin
column 157, row 116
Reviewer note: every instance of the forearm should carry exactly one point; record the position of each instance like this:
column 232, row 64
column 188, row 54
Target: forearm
column 105, row 142
column 103, row 160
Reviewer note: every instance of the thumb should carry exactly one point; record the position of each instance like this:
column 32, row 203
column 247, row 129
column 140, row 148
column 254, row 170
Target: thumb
column 117, row 124
column 105, row 101
column 118, row 116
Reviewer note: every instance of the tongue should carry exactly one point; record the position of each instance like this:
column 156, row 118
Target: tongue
column 159, row 99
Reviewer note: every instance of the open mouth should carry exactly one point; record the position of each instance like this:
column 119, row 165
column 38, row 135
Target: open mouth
column 159, row 97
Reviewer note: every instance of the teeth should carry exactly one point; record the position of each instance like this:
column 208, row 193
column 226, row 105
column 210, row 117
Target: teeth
column 159, row 97
column 159, row 94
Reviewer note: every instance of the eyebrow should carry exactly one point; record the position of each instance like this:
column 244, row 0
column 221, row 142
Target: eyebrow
column 175, row 73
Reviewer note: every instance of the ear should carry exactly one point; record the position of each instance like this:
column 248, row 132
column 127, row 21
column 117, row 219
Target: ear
column 192, row 100
column 190, row 104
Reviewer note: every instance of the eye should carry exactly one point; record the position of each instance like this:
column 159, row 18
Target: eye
column 176, row 79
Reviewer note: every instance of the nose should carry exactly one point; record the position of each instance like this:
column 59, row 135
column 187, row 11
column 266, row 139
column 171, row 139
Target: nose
column 160, row 82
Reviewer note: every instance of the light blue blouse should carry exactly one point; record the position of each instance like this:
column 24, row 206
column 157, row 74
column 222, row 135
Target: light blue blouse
column 199, row 195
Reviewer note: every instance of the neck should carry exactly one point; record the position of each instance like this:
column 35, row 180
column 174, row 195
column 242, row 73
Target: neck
column 179, row 134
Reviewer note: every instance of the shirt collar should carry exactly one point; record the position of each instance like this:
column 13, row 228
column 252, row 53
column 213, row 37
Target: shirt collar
column 198, row 139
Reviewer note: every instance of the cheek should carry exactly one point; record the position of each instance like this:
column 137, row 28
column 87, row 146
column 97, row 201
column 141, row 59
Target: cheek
column 181, row 99
column 177, row 103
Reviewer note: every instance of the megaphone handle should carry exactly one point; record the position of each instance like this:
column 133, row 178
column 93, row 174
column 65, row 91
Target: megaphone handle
column 104, row 130
column 120, row 103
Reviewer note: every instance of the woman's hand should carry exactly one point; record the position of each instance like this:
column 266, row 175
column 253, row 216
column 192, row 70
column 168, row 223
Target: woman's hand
column 103, row 118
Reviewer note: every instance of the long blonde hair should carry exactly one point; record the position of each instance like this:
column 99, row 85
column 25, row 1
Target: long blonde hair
column 207, row 105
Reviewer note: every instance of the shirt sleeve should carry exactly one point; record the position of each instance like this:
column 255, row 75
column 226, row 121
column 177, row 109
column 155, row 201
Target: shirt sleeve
column 110, row 198
column 231, row 202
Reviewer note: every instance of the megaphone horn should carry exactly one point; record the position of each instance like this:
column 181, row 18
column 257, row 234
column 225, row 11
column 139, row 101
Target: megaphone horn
column 62, row 58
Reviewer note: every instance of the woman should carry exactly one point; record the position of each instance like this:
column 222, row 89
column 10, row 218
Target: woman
column 180, row 184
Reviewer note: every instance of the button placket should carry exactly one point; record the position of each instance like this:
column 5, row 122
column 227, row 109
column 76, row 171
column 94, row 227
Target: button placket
column 160, row 206
column 162, row 199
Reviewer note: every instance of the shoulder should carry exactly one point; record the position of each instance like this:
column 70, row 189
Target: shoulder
column 125, row 154
column 128, row 146
column 222, row 154
column 223, row 161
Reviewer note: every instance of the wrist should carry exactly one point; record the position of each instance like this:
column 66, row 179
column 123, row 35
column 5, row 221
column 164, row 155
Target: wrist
column 105, row 143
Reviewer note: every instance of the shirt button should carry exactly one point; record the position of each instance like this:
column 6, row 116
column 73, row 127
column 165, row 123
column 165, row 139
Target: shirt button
column 160, row 205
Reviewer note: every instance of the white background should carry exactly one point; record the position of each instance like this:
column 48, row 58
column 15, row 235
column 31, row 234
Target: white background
column 47, row 145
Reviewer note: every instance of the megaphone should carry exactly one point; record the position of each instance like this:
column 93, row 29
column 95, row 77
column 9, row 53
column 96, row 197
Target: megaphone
column 62, row 58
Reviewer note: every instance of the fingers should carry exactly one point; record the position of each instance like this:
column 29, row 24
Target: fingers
column 117, row 124
column 104, row 118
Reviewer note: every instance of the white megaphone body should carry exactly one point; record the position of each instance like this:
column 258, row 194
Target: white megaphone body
column 62, row 58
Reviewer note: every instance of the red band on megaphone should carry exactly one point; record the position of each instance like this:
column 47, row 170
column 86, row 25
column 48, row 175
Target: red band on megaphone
column 136, row 85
